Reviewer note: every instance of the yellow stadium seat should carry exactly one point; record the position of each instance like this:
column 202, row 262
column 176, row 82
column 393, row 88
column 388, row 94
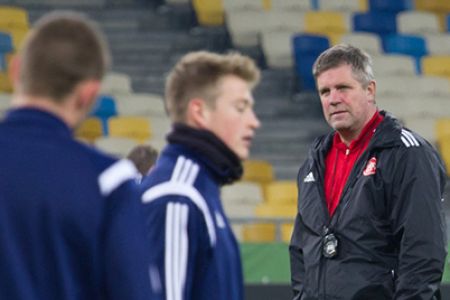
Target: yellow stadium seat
column 259, row 232
column 445, row 153
column 89, row 130
column 442, row 129
column 13, row 17
column 260, row 171
column 5, row 83
column 133, row 127
column 18, row 36
column 281, row 192
column 268, row 210
column 437, row 65
column 286, row 232
column 332, row 24
column 440, row 7
column 209, row 12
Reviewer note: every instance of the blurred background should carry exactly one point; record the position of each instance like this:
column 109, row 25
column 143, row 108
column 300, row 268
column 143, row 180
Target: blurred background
column 409, row 41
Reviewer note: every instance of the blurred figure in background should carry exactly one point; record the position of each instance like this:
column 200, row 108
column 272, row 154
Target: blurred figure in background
column 70, row 216
column 209, row 99
column 143, row 157
column 370, row 223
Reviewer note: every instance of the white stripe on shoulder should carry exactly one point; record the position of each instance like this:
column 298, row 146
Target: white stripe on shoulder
column 408, row 139
column 185, row 171
column 182, row 189
column 115, row 175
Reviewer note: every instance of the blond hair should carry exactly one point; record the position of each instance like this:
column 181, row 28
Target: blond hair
column 197, row 74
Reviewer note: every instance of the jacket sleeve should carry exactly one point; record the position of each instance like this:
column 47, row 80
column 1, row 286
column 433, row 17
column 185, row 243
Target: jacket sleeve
column 125, row 247
column 418, row 222
column 296, row 261
column 178, row 232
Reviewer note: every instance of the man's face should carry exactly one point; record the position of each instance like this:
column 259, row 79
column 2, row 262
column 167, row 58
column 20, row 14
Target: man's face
column 232, row 119
column 347, row 105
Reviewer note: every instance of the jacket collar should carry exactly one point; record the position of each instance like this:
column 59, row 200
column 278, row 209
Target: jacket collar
column 221, row 161
column 37, row 119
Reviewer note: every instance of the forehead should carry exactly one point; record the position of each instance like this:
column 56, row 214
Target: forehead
column 339, row 73
column 234, row 88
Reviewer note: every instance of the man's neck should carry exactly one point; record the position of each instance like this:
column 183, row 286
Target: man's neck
column 62, row 110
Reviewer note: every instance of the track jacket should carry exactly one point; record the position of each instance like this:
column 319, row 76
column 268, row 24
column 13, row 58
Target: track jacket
column 196, row 255
column 389, row 224
column 70, row 219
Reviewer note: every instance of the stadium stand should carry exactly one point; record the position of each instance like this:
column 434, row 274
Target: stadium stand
column 146, row 39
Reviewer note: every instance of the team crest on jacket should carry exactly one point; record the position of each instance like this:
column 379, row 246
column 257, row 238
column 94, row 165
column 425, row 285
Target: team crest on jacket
column 371, row 167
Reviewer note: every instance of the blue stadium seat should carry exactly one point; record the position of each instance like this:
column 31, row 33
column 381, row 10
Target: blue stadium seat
column 6, row 46
column 307, row 48
column 412, row 45
column 447, row 22
column 381, row 23
column 104, row 108
column 390, row 5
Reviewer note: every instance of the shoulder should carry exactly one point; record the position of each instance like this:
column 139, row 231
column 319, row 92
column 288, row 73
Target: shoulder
column 172, row 187
column 110, row 172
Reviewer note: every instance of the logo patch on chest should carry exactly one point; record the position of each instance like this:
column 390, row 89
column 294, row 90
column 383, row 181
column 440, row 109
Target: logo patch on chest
column 371, row 167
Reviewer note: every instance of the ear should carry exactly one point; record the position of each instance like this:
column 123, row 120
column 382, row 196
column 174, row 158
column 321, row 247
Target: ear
column 13, row 69
column 87, row 92
column 371, row 91
column 198, row 113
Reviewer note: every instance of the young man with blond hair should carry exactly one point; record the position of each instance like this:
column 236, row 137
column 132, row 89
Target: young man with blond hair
column 209, row 99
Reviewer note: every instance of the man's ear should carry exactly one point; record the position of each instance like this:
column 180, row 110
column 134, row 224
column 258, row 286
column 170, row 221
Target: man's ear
column 87, row 92
column 371, row 90
column 13, row 69
column 197, row 113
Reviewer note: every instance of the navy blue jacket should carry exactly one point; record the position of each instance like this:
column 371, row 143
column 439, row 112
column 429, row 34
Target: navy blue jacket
column 195, row 254
column 70, row 218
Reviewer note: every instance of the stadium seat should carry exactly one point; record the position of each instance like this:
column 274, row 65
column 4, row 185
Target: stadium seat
column 283, row 21
column 406, row 44
column 259, row 232
column 13, row 18
column 117, row 146
column 270, row 210
column 5, row 104
column 442, row 128
column 381, row 23
column 209, row 12
column 286, row 232
column 243, row 192
column 104, row 108
column 445, row 153
column 418, row 22
column 369, row 42
column 436, row 65
column 116, row 83
column 343, row 6
column 90, row 129
column 6, row 47
column 307, row 48
column 277, row 49
column 259, row 171
column 136, row 128
column 438, row 44
column 289, row 5
column 332, row 24
column 161, row 126
column 229, row 5
column 140, row 104
column 393, row 64
column 389, row 5
column 281, row 192
column 437, row 6
column 5, row 83
column 244, row 33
